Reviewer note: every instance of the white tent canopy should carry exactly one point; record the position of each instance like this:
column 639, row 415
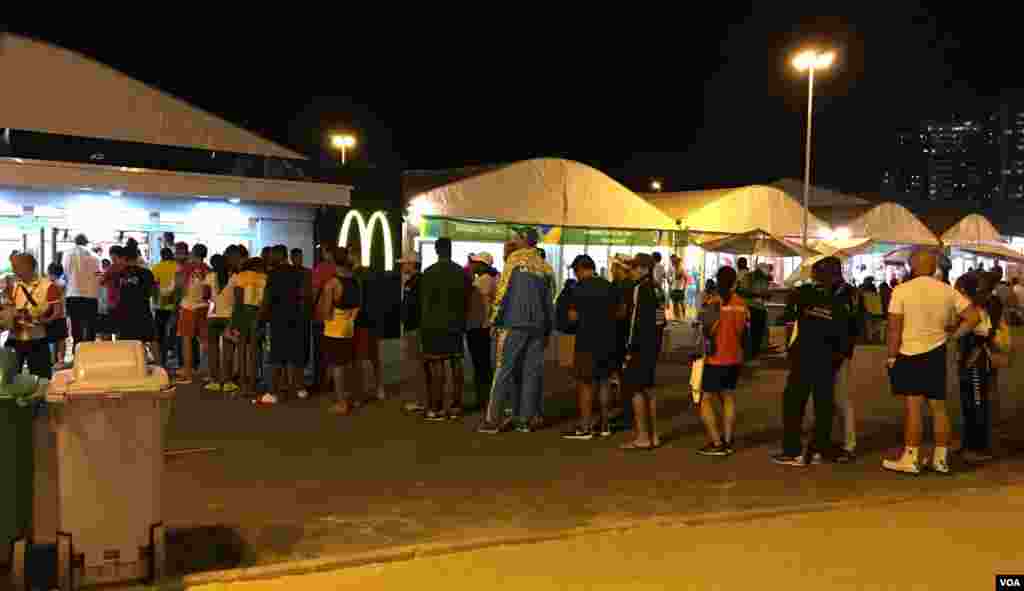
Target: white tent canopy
column 738, row 210
column 80, row 97
column 544, row 191
column 818, row 196
column 973, row 229
column 892, row 223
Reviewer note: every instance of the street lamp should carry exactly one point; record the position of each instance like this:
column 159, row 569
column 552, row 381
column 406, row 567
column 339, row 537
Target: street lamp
column 656, row 186
column 810, row 61
column 343, row 142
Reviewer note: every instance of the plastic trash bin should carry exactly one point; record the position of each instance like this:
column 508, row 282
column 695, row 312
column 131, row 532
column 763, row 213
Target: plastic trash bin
column 107, row 415
column 18, row 400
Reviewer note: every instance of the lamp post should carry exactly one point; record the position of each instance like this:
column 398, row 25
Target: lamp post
column 343, row 142
column 810, row 61
column 656, row 186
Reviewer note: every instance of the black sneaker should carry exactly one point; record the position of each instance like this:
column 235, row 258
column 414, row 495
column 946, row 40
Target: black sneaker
column 799, row 461
column 845, row 456
column 605, row 429
column 729, row 447
column 712, row 449
column 579, row 433
column 524, row 427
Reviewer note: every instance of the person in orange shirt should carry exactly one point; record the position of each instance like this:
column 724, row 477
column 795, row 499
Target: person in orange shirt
column 726, row 317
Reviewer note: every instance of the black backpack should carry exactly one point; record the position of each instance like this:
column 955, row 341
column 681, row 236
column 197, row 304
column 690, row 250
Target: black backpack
column 562, row 304
column 351, row 296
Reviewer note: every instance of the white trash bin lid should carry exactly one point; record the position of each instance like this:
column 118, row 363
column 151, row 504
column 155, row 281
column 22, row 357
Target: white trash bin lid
column 110, row 370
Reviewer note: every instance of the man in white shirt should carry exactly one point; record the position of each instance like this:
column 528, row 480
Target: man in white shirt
column 82, row 269
column 920, row 313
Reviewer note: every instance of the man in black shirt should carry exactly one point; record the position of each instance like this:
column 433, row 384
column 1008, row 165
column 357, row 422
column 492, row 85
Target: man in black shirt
column 820, row 345
column 284, row 305
column 133, row 316
column 592, row 307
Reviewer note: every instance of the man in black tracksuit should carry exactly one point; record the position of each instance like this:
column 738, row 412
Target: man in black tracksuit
column 821, row 340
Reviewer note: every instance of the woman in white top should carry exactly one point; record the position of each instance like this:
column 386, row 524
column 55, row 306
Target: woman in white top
column 975, row 372
column 219, row 318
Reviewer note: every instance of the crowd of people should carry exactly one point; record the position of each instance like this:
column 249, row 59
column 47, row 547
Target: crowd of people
column 233, row 310
column 238, row 311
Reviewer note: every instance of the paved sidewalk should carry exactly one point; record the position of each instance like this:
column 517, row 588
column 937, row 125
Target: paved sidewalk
column 292, row 482
column 956, row 542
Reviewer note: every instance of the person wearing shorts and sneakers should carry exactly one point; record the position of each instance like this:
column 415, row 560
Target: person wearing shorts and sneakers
column 592, row 308
column 411, row 357
column 919, row 314
column 445, row 291
column 283, row 305
column 221, row 349
column 195, row 303
column 725, row 318
column 248, row 286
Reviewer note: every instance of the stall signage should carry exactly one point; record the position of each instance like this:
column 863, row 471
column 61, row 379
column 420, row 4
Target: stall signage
column 467, row 231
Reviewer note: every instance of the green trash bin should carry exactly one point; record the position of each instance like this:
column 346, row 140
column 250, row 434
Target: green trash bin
column 18, row 403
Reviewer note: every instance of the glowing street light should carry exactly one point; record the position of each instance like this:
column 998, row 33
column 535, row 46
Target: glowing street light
column 343, row 142
column 809, row 61
column 656, row 186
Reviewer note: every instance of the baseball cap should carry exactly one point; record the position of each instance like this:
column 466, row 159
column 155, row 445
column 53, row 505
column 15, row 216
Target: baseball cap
column 642, row 260
column 584, row 261
column 483, row 257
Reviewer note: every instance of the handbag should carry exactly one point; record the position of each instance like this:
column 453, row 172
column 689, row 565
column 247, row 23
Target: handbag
column 697, row 380
column 1000, row 350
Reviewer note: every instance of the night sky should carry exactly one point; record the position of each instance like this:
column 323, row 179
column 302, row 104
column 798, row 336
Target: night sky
column 699, row 99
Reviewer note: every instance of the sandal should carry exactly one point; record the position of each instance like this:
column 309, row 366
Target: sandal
column 633, row 446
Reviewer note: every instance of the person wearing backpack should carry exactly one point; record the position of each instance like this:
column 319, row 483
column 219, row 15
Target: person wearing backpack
column 338, row 307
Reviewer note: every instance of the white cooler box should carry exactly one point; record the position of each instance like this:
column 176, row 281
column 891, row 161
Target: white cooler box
column 107, row 415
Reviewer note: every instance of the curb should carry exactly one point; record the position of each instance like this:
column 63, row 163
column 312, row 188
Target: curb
column 428, row 550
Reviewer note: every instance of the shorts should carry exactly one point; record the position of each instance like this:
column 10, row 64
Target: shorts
column 246, row 322
column 588, row 367
column 192, row 323
column 57, row 330
column 720, row 378
column 920, row 375
column 288, row 344
column 366, row 345
column 410, row 348
column 103, row 324
column 638, row 373
column 335, row 352
column 678, row 296
column 441, row 343
column 137, row 329
column 216, row 327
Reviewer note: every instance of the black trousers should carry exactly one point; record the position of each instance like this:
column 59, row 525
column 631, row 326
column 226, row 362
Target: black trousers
column 479, row 341
column 37, row 354
column 163, row 319
column 974, row 402
column 82, row 312
column 758, row 326
column 817, row 378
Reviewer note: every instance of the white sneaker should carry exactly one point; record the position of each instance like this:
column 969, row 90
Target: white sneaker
column 414, row 407
column 904, row 464
column 268, row 399
column 302, row 394
column 940, row 466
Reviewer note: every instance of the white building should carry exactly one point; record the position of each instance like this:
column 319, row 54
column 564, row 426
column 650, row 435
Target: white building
column 137, row 144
